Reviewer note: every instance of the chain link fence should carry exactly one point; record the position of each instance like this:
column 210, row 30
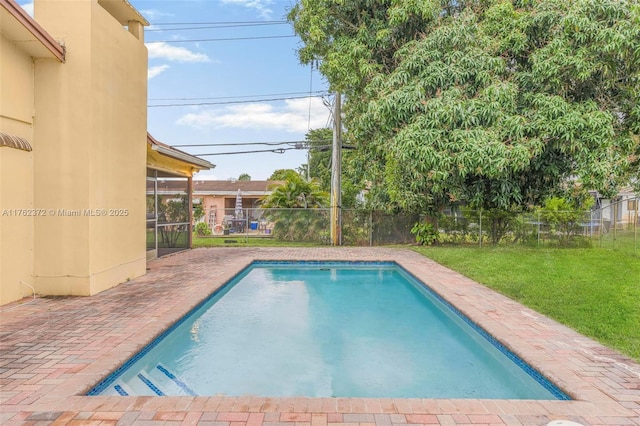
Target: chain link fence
column 616, row 226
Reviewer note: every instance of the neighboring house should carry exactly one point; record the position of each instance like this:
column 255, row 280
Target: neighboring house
column 219, row 197
column 622, row 209
column 73, row 113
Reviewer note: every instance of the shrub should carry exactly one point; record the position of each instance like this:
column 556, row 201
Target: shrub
column 202, row 229
column 425, row 233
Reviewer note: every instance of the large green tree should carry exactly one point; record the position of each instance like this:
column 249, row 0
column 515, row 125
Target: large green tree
column 500, row 103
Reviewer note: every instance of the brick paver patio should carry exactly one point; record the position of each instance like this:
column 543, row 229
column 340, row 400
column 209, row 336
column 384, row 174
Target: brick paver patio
column 53, row 350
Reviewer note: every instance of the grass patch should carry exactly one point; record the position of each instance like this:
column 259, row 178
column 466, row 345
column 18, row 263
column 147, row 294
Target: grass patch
column 241, row 240
column 594, row 291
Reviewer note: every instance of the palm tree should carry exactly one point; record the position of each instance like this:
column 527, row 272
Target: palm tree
column 294, row 209
column 297, row 193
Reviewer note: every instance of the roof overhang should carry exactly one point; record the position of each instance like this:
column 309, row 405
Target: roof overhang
column 164, row 149
column 17, row 26
column 123, row 11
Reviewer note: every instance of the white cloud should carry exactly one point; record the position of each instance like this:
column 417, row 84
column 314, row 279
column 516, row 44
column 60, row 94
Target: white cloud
column 174, row 53
column 260, row 5
column 206, row 174
column 293, row 116
column 28, row 7
column 154, row 71
column 152, row 14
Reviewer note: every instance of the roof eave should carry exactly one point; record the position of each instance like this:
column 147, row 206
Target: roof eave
column 198, row 163
column 164, row 149
column 28, row 32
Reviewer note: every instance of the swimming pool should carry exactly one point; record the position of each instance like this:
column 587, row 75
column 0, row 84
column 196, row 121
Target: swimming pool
column 355, row 329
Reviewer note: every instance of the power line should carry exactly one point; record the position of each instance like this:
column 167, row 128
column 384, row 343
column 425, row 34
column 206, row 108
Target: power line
column 230, row 102
column 219, row 26
column 222, row 39
column 317, row 92
column 275, row 151
column 216, row 22
column 250, row 143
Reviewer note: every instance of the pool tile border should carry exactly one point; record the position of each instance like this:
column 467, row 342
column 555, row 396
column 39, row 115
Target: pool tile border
column 53, row 350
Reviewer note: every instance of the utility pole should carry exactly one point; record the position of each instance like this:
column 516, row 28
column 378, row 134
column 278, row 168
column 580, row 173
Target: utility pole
column 336, row 172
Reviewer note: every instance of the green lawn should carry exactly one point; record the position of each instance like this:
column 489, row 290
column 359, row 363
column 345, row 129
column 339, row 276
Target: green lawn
column 594, row 291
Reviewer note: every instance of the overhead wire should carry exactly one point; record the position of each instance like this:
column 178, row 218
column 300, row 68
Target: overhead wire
column 222, row 39
column 318, row 92
column 275, row 151
column 230, row 24
column 247, row 143
column 216, row 22
column 230, row 102
column 212, row 27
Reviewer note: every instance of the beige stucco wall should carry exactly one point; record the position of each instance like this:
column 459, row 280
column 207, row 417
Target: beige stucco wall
column 16, row 181
column 91, row 127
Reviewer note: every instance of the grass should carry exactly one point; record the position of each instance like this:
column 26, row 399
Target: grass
column 241, row 240
column 594, row 291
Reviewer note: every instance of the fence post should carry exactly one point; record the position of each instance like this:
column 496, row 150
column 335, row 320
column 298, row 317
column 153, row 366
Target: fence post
column 538, row 225
column 370, row 228
column 480, row 234
column 601, row 227
column 636, row 219
column 615, row 225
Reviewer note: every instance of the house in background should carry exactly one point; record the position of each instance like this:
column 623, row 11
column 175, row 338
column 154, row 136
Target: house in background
column 74, row 149
column 621, row 210
column 219, row 200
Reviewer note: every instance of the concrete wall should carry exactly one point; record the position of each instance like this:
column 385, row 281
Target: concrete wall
column 16, row 178
column 89, row 167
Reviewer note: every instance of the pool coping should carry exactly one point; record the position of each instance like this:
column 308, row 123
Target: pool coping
column 45, row 369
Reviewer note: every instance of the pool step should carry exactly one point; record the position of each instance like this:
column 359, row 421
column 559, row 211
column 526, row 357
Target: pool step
column 157, row 381
column 176, row 384
column 150, row 384
column 119, row 388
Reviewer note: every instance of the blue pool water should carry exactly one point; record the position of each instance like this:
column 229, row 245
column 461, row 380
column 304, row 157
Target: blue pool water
column 327, row 330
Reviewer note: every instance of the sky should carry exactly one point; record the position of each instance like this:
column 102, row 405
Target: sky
column 237, row 76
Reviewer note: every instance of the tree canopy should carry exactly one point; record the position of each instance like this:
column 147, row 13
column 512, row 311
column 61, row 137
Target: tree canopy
column 283, row 174
column 499, row 103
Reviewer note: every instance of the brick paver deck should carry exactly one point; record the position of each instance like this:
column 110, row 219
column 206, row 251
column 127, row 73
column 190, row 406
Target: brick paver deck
column 53, row 350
